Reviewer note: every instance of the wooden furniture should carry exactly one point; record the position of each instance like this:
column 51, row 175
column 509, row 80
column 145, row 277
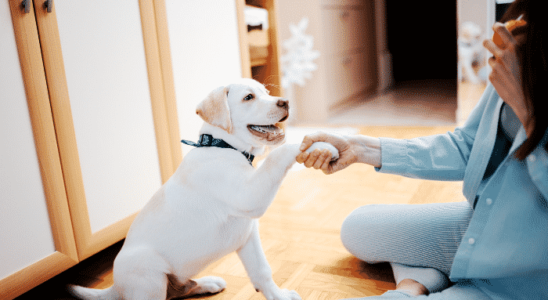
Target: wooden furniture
column 36, row 236
column 264, row 68
column 344, row 34
column 101, row 140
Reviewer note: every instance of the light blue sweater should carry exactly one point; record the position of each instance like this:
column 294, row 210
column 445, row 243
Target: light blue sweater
column 508, row 233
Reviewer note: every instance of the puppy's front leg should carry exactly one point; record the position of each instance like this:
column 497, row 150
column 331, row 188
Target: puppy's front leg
column 257, row 190
column 280, row 160
column 252, row 256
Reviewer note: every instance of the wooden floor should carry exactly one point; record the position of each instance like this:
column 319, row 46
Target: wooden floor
column 300, row 233
column 407, row 103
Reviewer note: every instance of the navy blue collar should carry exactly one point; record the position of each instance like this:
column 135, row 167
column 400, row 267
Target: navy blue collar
column 207, row 140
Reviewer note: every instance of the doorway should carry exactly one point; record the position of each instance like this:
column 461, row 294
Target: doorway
column 422, row 39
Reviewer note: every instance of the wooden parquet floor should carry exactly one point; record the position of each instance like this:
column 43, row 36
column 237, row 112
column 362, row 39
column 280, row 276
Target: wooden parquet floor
column 300, row 233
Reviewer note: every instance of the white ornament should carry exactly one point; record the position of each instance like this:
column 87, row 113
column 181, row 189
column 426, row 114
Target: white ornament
column 298, row 62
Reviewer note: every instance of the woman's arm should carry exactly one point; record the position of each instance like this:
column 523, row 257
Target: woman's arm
column 440, row 157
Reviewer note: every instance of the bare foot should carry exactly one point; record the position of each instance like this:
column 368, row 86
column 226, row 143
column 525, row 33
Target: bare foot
column 412, row 287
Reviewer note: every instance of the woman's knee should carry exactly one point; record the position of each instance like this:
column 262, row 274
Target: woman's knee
column 359, row 232
column 405, row 233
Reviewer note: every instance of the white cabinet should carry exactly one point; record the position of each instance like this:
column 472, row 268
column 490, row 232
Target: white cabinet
column 103, row 101
column 86, row 133
column 36, row 237
column 110, row 105
column 21, row 192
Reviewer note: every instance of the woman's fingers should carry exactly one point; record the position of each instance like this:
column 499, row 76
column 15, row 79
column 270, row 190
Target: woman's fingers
column 311, row 139
column 301, row 158
column 491, row 47
column 505, row 35
column 317, row 159
column 321, row 159
column 325, row 155
column 325, row 166
column 492, row 61
column 311, row 160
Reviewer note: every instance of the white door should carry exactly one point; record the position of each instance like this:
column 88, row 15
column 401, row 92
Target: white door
column 25, row 231
column 108, row 88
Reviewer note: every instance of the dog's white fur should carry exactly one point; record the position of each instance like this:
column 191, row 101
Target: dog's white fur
column 209, row 207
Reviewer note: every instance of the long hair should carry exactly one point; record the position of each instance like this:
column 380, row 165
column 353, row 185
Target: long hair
column 534, row 69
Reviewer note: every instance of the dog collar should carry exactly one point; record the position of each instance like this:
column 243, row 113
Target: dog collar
column 207, row 140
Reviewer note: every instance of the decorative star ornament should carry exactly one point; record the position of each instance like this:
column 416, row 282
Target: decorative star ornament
column 298, row 62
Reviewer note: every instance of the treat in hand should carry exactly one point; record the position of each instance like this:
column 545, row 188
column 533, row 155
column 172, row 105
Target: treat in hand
column 510, row 25
column 324, row 145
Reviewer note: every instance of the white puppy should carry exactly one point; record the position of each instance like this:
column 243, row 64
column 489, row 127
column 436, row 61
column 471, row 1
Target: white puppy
column 210, row 206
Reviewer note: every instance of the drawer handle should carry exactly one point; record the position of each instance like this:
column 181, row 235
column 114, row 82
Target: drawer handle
column 26, row 6
column 48, row 5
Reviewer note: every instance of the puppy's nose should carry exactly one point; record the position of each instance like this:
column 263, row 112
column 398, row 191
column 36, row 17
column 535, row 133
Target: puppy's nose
column 283, row 103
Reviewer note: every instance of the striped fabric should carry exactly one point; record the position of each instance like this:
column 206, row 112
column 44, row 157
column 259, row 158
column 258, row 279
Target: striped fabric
column 420, row 242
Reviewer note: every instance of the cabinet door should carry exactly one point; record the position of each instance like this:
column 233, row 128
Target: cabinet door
column 344, row 29
column 103, row 105
column 36, row 237
column 205, row 51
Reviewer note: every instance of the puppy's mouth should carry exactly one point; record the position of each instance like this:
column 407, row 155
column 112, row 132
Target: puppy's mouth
column 270, row 133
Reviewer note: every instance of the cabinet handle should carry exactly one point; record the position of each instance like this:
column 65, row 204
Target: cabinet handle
column 26, row 6
column 48, row 5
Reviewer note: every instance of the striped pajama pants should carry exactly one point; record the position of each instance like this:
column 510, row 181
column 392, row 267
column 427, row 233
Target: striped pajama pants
column 416, row 237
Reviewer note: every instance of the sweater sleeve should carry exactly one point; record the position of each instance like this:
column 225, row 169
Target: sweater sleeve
column 436, row 157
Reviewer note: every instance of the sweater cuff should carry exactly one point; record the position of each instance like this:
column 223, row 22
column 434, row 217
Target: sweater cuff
column 393, row 156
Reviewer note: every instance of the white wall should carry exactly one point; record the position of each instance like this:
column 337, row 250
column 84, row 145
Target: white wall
column 205, row 53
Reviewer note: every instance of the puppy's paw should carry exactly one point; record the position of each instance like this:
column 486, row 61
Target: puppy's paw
column 291, row 295
column 322, row 146
column 210, row 284
column 284, row 294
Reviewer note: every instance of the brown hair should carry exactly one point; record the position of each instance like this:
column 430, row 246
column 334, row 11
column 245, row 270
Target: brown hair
column 534, row 69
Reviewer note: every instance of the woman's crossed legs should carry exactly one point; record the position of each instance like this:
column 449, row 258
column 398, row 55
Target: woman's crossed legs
column 419, row 241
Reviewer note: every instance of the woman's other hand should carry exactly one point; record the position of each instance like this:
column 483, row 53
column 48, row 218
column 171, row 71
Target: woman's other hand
column 351, row 149
column 506, row 71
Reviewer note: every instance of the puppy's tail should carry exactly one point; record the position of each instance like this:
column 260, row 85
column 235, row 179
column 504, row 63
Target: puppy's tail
column 84, row 293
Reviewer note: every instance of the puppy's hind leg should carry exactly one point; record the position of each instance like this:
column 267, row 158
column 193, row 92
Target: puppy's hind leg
column 204, row 285
column 140, row 274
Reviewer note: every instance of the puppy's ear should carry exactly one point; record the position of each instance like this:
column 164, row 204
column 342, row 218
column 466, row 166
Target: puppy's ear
column 214, row 109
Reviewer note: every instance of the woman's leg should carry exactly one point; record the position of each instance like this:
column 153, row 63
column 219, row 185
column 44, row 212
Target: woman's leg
column 420, row 241
column 459, row 291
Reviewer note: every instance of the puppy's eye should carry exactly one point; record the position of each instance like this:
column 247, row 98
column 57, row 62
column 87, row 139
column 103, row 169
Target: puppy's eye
column 248, row 97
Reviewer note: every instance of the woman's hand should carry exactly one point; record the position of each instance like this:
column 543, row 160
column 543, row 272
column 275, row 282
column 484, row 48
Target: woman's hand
column 351, row 149
column 506, row 71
